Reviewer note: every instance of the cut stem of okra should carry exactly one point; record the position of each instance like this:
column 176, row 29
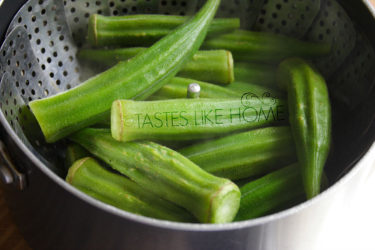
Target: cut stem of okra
column 189, row 119
column 90, row 102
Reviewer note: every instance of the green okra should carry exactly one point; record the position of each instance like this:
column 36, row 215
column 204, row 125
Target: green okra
column 215, row 66
column 166, row 173
column 73, row 153
column 264, row 195
column 310, row 118
column 90, row 102
column 258, row 73
column 266, row 47
column 144, row 30
column 258, row 90
column 89, row 176
column 177, row 88
column 190, row 119
column 243, row 155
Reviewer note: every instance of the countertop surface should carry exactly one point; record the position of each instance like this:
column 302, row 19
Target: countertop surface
column 10, row 237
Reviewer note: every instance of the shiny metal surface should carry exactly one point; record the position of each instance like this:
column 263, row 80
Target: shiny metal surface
column 52, row 214
column 8, row 172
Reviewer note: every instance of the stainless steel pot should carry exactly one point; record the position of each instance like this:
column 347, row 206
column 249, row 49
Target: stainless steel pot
column 53, row 215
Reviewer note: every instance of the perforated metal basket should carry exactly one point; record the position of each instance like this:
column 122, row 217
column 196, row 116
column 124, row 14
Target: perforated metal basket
column 38, row 59
column 39, row 53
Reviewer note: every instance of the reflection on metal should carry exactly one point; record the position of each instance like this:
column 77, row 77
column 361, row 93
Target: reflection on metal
column 193, row 91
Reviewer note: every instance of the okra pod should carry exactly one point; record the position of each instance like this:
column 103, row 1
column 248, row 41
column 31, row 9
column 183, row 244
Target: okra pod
column 177, row 88
column 246, row 154
column 189, row 119
column 258, row 73
column 261, row 196
column 73, row 153
column 138, row 78
column 89, row 176
column 215, row 66
column 310, row 118
column 266, row 47
column 254, row 88
column 166, row 173
column 144, row 30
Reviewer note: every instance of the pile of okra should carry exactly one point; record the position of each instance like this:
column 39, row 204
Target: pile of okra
column 192, row 119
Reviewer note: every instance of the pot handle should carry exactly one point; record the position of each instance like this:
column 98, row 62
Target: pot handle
column 9, row 175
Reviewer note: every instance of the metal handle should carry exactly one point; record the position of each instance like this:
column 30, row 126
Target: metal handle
column 9, row 174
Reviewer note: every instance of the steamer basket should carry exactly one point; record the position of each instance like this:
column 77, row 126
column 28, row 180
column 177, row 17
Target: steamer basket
column 38, row 59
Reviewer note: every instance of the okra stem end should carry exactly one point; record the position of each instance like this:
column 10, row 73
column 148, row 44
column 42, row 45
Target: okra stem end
column 117, row 121
column 73, row 169
column 224, row 204
column 92, row 36
column 230, row 67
